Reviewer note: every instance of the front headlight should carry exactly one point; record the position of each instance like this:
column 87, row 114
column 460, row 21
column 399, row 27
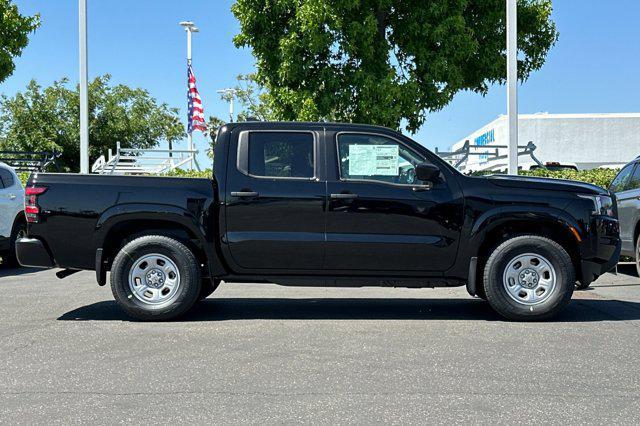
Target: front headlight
column 602, row 204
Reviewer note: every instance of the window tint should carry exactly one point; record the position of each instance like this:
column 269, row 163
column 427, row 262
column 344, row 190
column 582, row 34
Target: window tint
column 621, row 182
column 634, row 182
column 281, row 154
column 7, row 178
column 377, row 158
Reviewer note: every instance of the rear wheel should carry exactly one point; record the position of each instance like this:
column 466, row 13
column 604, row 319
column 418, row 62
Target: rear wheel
column 529, row 278
column 155, row 278
column 19, row 231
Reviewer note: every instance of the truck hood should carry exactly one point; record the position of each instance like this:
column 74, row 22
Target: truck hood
column 528, row 182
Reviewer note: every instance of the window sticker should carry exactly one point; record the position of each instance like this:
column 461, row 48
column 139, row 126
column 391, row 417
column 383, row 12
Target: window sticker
column 373, row 160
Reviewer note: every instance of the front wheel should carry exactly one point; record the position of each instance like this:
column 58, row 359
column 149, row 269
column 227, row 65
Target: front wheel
column 155, row 278
column 529, row 278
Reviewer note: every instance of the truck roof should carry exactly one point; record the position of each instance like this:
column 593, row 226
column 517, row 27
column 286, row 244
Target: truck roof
column 306, row 124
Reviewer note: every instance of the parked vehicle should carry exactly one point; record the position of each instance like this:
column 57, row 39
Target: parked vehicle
column 554, row 166
column 12, row 221
column 325, row 205
column 626, row 188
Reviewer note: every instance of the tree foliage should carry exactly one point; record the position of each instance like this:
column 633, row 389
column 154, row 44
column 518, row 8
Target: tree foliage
column 14, row 31
column 48, row 119
column 384, row 61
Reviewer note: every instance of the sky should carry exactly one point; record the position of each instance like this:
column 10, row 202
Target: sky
column 593, row 68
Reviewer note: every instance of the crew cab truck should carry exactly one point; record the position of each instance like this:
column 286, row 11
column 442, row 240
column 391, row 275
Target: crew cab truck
column 320, row 204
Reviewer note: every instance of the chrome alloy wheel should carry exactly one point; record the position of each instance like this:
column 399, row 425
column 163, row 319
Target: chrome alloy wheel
column 529, row 279
column 154, row 279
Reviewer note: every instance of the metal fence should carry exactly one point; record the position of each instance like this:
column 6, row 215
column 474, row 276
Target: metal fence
column 131, row 161
column 31, row 161
column 490, row 153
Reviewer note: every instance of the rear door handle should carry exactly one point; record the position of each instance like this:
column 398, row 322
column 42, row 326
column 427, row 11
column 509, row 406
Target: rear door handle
column 244, row 194
column 344, row 196
column 12, row 196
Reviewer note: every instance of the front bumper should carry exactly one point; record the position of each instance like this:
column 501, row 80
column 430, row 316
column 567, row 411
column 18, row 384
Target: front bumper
column 602, row 251
column 32, row 252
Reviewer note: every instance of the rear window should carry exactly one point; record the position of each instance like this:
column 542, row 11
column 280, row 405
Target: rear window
column 281, row 154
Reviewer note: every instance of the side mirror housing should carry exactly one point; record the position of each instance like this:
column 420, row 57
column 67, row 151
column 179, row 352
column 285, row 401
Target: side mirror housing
column 427, row 172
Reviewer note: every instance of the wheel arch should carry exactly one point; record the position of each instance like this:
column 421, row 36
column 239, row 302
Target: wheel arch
column 121, row 224
column 20, row 218
column 504, row 225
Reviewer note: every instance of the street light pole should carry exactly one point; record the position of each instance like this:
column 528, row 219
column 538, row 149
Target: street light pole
column 512, row 85
column 190, row 28
column 229, row 95
column 84, row 87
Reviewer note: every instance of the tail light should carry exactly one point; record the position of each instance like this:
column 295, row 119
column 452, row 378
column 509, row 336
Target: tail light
column 31, row 208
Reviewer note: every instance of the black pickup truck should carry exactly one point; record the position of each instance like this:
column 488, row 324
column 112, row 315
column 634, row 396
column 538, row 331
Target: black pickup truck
column 319, row 204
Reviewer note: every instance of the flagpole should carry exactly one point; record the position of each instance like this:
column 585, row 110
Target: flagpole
column 190, row 27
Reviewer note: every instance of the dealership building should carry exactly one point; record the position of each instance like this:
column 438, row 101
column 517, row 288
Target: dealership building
column 586, row 141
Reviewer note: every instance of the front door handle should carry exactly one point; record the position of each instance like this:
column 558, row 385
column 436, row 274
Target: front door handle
column 347, row 196
column 244, row 194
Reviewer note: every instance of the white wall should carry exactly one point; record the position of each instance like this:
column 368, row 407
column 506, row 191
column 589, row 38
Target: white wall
column 589, row 140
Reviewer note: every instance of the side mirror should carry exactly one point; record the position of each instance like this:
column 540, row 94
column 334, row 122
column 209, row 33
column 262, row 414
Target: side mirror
column 427, row 172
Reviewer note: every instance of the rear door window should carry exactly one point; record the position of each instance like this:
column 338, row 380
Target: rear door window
column 281, row 154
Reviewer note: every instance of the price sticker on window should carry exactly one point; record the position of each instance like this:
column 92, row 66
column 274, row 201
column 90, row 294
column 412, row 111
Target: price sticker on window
column 373, row 160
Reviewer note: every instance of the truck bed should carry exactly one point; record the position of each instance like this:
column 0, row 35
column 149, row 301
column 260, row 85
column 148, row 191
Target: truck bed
column 76, row 210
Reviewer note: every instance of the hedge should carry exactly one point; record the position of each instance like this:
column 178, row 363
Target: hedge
column 600, row 177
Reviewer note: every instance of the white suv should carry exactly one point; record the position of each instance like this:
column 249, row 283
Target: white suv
column 12, row 221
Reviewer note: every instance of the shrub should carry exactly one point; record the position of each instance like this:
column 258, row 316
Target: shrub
column 208, row 173
column 600, row 177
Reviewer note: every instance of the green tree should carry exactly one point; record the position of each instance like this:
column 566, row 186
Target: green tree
column 384, row 61
column 48, row 119
column 14, row 31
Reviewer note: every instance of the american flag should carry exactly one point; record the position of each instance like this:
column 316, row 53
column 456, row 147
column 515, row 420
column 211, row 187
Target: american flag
column 196, row 112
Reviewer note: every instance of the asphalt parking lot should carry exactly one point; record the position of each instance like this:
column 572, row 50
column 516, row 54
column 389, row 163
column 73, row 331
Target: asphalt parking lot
column 267, row 354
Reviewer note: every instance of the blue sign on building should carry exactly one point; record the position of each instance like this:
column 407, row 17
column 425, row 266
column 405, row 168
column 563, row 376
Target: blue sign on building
column 485, row 139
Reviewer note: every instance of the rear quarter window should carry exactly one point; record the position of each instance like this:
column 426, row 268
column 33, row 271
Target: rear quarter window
column 6, row 178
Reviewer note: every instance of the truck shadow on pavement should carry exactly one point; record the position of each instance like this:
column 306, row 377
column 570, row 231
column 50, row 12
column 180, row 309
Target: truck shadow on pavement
column 230, row 309
column 7, row 271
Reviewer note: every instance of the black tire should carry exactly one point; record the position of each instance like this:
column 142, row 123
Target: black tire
column 189, row 281
column 208, row 287
column 19, row 231
column 551, row 304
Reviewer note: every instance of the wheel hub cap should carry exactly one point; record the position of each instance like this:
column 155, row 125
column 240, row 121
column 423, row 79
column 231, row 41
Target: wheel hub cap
column 529, row 279
column 155, row 278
